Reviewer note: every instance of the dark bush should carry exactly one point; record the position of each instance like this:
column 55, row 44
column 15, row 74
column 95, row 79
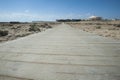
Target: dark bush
column 3, row 33
column 45, row 26
column 34, row 27
column 117, row 25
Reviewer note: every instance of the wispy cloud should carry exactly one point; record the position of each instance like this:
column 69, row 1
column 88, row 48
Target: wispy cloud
column 27, row 16
column 19, row 16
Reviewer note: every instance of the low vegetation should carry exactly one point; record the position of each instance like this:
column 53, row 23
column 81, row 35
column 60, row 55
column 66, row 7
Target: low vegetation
column 117, row 25
column 11, row 31
column 103, row 28
column 98, row 27
column 3, row 33
column 34, row 28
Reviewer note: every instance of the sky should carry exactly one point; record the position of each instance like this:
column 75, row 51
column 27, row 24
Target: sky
column 50, row 10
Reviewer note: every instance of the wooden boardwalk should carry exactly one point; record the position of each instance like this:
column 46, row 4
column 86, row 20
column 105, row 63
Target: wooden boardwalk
column 60, row 53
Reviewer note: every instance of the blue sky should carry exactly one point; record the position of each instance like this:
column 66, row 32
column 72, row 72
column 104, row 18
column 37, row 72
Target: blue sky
column 34, row 10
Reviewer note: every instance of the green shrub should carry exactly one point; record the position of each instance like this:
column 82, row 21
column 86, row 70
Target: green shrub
column 34, row 27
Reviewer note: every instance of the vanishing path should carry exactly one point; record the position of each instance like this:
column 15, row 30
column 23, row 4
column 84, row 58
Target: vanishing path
column 60, row 53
